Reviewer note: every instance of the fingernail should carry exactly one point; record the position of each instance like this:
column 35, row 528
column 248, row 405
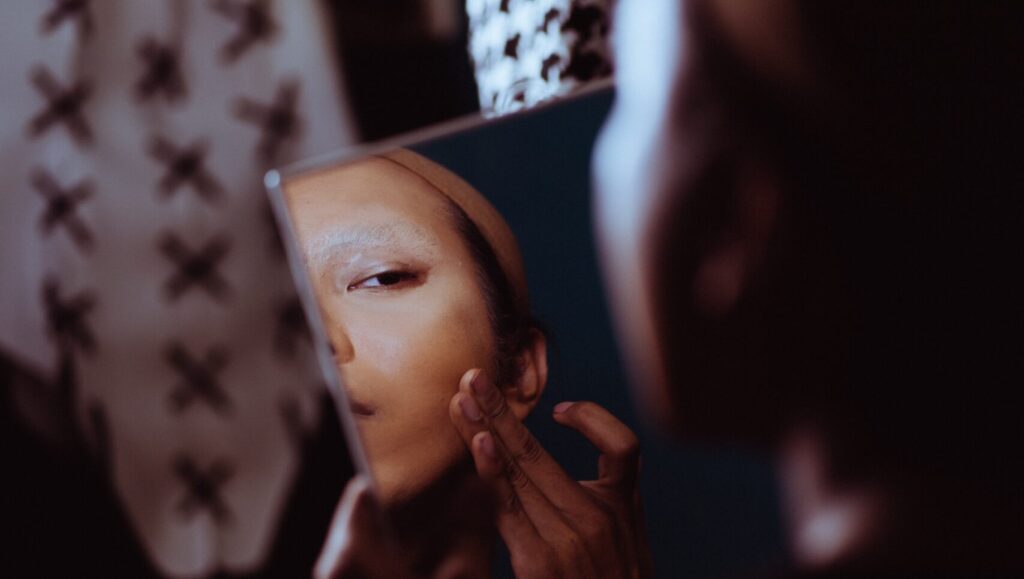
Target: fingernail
column 563, row 407
column 479, row 384
column 469, row 408
column 487, row 445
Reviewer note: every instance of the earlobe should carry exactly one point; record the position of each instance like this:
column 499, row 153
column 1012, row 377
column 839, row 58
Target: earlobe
column 524, row 395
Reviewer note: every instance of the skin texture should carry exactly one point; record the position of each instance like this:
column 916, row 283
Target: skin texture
column 403, row 307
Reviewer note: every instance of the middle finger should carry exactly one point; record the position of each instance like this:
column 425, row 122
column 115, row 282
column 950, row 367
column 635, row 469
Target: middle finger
column 518, row 493
column 522, row 447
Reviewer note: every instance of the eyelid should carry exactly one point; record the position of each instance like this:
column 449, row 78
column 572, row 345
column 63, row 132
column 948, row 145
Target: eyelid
column 407, row 274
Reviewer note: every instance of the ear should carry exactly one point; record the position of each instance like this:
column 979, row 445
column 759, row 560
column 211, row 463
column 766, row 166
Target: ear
column 725, row 271
column 523, row 395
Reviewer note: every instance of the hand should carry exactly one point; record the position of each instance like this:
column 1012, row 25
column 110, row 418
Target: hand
column 359, row 545
column 553, row 525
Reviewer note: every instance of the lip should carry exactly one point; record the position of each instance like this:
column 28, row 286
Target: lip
column 361, row 409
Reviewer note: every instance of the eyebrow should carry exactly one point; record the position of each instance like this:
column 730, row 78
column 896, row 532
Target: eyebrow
column 396, row 234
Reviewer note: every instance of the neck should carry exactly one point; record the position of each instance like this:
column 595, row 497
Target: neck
column 894, row 521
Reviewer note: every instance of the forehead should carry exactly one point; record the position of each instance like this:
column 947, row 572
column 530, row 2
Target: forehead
column 374, row 195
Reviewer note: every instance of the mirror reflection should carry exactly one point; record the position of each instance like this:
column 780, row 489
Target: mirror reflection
column 419, row 279
column 471, row 253
column 456, row 282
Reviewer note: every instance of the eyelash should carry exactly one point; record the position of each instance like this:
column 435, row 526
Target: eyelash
column 396, row 277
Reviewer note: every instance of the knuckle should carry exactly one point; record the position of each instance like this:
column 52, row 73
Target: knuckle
column 529, row 449
column 511, row 503
column 516, row 476
column 497, row 408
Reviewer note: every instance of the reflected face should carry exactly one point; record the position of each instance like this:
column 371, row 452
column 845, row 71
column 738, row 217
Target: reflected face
column 404, row 310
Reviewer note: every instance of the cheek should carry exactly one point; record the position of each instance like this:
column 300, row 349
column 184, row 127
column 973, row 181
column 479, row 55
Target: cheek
column 416, row 349
column 408, row 360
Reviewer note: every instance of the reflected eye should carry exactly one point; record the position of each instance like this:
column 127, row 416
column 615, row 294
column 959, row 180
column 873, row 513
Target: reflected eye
column 385, row 280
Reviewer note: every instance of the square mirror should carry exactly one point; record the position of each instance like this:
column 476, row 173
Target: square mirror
column 461, row 247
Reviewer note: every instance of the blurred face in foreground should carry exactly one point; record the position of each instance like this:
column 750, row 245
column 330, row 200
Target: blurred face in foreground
column 684, row 217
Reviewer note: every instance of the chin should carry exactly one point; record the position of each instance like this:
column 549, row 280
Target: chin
column 402, row 479
column 398, row 483
column 393, row 490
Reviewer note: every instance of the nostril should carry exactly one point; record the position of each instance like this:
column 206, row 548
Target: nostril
column 334, row 351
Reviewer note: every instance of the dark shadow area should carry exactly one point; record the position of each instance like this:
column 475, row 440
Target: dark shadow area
column 402, row 71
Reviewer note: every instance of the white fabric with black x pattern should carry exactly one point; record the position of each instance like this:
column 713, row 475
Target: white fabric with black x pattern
column 135, row 239
column 529, row 51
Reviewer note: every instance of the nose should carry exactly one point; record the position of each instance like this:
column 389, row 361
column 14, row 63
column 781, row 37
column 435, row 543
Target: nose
column 339, row 342
column 341, row 345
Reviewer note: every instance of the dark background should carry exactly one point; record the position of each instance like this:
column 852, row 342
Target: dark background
column 710, row 512
column 399, row 75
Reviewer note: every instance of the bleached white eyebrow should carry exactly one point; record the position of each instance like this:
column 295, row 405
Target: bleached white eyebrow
column 396, row 234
